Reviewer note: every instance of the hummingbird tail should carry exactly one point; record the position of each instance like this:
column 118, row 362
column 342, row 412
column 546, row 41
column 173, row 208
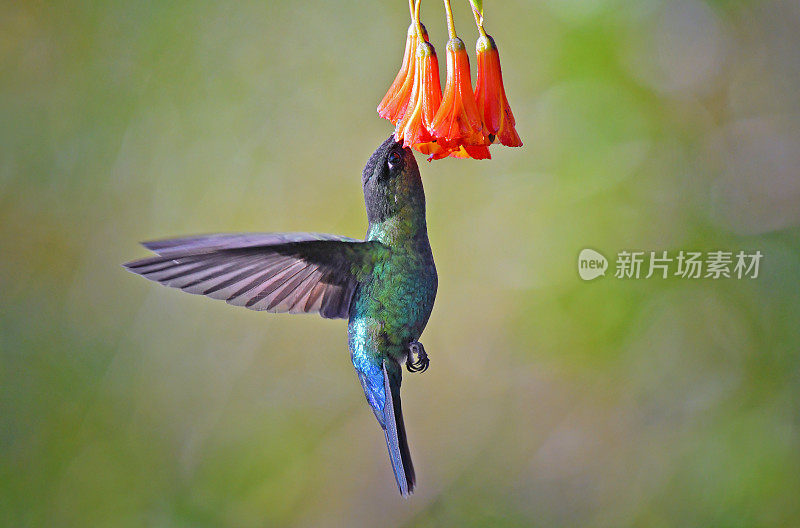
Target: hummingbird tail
column 395, row 432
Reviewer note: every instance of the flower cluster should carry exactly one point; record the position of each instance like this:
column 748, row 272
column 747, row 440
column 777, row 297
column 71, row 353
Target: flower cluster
column 459, row 122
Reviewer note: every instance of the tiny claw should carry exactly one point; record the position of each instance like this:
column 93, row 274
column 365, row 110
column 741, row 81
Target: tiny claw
column 417, row 360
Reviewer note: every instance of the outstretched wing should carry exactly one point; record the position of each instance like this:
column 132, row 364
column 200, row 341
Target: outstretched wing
column 277, row 272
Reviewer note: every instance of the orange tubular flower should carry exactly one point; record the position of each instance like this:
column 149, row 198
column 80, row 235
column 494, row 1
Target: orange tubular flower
column 490, row 95
column 394, row 103
column 457, row 125
column 426, row 96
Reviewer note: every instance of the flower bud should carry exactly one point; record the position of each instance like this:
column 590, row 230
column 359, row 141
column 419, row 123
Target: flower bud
column 394, row 103
column 457, row 125
column 414, row 129
column 490, row 96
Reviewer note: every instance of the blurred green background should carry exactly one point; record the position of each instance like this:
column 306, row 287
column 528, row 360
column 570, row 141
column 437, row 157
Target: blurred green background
column 648, row 125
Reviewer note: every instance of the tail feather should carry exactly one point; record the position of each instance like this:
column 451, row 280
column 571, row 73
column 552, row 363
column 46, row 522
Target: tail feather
column 395, row 432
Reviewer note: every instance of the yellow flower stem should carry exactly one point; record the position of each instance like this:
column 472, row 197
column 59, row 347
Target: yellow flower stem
column 411, row 9
column 451, row 26
column 415, row 17
column 479, row 22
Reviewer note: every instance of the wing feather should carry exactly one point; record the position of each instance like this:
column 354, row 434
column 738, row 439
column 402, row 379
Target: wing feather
column 277, row 272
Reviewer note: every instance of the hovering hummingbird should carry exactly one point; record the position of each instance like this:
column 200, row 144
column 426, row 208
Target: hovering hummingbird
column 384, row 286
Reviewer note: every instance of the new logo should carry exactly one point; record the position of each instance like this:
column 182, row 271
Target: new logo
column 591, row 264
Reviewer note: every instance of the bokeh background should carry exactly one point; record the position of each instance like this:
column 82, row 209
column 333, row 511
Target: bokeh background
column 648, row 125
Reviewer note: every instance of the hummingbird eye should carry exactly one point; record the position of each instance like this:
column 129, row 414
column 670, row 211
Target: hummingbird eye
column 394, row 160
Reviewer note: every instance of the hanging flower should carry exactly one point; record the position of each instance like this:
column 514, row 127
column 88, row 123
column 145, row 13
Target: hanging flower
column 459, row 122
column 414, row 129
column 457, row 125
column 490, row 95
column 394, row 103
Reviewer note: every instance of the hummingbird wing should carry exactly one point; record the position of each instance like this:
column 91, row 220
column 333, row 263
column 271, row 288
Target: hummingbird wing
column 276, row 272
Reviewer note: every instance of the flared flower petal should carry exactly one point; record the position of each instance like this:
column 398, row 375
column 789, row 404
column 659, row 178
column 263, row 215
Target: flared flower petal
column 457, row 126
column 414, row 129
column 394, row 103
column 477, row 152
column 490, row 96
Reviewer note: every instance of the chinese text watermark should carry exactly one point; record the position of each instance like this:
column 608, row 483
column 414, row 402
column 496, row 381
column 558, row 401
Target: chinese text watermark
column 717, row 264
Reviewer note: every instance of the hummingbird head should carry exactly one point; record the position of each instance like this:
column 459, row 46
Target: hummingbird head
column 392, row 183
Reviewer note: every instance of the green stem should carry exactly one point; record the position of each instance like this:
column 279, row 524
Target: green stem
column 479, row 22
column 451, row 26
column 420, row 37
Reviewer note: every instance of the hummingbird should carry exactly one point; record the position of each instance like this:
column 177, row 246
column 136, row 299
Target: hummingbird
column 384, row 285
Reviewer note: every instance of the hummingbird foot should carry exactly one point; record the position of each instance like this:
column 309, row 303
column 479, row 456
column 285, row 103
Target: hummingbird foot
column 417, row 360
